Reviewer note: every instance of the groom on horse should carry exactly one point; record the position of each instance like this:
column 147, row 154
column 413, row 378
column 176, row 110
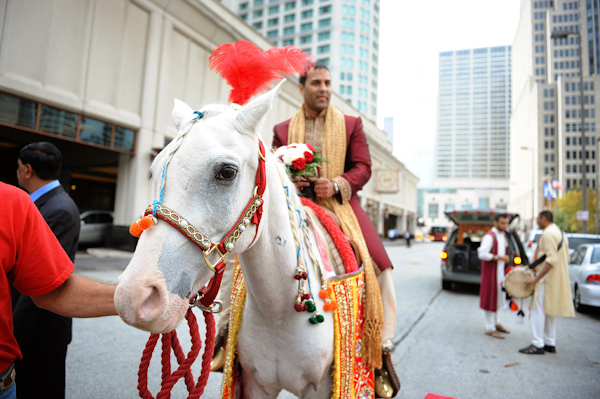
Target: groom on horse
column 341, row 139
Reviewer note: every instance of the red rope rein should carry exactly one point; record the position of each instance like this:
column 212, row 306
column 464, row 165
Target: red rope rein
column 170, row 341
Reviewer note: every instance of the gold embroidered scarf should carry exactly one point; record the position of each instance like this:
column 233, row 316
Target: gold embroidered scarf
column 334, row 150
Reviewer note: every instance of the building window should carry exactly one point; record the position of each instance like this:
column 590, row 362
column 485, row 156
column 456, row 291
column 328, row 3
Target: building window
column 305, row 39
column 289, row 30
column 273, row 22
column 273, row 10
column 324, row 10
column 433, row 210
column 484, row 202
column 243, row 6
column 290, row 5
column 324, row 35
column 307, row 2
column 323, row 49
column 324, row 22
column 257, row 25
column 272, row 34
column 449, row 207
column 289, row 18
column 307, row 14
column 288, row 42
column 306, row 26
column 257, row 14
column 259, row 2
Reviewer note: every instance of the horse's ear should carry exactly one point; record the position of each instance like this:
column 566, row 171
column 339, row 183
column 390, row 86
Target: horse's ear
column 182, row 113
column 253, row 112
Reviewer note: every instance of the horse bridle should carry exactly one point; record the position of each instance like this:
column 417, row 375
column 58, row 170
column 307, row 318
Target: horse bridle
column 204, row 299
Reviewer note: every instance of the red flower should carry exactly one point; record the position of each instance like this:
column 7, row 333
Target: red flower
column 310, row 147
column 299, row 164
column 308, row 156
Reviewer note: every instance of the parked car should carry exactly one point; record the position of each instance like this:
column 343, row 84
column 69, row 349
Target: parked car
column 576, row 239
column 94, row 227
column 460, row 262
column 532, row 243
column 584, row 276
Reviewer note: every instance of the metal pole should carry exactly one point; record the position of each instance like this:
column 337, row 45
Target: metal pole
column 583, row 171
column 597, row 185
column 533, row 188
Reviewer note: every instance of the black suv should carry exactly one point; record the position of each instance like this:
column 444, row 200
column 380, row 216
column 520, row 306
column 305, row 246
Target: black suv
column 460, row 263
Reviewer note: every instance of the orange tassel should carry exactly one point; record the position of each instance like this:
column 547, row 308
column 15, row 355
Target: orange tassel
column 513, row 306
column 323, row 294
column 135, row 229
column 327, row 306
column 145, row 222
column 334, row 305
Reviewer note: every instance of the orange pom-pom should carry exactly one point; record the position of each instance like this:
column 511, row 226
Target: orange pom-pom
column 135, row 229
column 327, row 306
column 323, row 294
column 333, row 305
column 513, row 306
column 145, row 222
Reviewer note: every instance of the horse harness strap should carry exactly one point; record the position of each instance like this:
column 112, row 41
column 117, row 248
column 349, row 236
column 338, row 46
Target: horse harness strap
column 251, row 214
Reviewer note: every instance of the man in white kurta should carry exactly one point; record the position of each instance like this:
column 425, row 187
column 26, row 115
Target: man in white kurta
column 552, row 295
column 487, row 254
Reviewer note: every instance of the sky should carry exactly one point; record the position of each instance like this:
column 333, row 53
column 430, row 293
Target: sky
column 412, row 34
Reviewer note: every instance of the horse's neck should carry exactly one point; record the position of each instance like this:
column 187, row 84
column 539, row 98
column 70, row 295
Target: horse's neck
column 270, row 264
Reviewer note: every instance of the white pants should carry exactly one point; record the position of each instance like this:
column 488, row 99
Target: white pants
column 543, row 326
column 493, row 318
column 388, row 299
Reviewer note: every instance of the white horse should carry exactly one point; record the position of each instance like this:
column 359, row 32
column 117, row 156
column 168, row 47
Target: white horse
column 209, row 181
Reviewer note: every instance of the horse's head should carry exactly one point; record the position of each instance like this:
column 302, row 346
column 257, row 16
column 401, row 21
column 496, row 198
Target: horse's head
column 209, row 176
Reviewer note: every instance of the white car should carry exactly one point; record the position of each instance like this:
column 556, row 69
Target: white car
column 584, row 276
column 94, row 227
column 531, row 245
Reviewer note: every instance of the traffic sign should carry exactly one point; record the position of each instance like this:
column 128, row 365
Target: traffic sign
column 583, row 216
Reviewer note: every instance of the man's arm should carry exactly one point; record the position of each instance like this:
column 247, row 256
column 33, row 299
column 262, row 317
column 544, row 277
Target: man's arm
column 534, row 280
column 79, row 297
column 483, row 252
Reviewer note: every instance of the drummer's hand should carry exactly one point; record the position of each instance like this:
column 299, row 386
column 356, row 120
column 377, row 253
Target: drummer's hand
column 532, row 280
column 504, row 258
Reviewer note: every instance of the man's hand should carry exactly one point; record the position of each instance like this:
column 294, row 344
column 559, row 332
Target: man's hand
column 300, row 182
column 324, row 188
column 532, row 280
column 504, row 258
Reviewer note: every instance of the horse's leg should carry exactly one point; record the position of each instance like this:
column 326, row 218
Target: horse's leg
column 250, row 389
column 322, row 390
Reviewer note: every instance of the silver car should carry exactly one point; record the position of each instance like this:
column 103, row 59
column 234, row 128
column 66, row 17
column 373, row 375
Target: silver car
column 94, row 227
column 584, row 274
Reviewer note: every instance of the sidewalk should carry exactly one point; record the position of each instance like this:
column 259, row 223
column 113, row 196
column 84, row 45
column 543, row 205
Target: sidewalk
column 102, row 259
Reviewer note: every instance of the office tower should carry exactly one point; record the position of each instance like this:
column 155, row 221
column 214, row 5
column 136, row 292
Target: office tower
column 342, row 34
column 546, row 134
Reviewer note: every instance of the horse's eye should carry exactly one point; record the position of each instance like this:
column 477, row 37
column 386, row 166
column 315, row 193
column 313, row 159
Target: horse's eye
column 227, row 173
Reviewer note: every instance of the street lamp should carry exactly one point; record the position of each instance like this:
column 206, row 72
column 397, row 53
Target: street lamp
column 532, row 184
column 561, row 35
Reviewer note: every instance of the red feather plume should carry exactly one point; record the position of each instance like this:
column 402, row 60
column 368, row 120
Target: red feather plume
column 247, row 69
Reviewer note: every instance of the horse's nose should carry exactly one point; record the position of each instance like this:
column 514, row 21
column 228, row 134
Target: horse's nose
column 142, row 301
column 153, row 301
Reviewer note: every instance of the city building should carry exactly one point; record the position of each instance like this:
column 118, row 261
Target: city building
column 472, row 143
column 98, row 79
column 547, row 102
column 342, row 34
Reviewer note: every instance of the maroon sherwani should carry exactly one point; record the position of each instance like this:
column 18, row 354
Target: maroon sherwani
column 488, row 290
column 357, row 171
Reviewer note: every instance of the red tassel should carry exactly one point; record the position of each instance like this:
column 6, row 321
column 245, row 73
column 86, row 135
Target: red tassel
column 513, row 306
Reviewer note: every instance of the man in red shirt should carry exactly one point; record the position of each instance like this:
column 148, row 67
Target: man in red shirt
column 33, row 261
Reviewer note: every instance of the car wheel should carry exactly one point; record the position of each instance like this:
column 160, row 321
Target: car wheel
column 446, row 285
column 577, row 301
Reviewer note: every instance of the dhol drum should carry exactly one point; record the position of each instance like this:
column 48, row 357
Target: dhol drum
column 514, row 282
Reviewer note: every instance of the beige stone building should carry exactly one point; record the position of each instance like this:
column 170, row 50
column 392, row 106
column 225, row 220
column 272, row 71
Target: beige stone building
column 98, row 79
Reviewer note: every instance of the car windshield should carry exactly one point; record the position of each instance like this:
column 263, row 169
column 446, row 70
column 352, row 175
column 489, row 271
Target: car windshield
column 574, row 242
column 537, row 237
column 438, row 230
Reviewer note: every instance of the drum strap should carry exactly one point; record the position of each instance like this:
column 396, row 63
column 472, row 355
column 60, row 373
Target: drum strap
column 543, row 258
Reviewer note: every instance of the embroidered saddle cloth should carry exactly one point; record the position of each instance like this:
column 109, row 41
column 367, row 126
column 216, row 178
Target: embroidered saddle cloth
column 352, row 378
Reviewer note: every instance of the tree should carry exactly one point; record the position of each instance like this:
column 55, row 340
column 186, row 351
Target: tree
column 565, row 211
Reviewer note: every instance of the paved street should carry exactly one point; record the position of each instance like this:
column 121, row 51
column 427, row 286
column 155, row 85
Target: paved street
column 440, row 344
